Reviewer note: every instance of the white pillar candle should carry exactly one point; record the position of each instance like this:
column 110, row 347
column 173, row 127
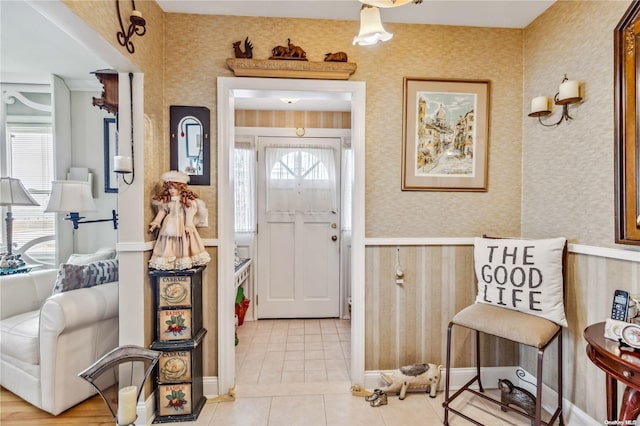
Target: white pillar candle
column 122, row 164
column 136, row 13
column 540, row 103
column 569, row 89
column 127, row 405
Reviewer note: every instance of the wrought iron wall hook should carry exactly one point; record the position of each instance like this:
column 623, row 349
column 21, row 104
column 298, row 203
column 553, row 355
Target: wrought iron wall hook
column 136, row 27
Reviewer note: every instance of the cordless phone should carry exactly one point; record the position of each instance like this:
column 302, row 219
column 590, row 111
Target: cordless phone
column 620, row 305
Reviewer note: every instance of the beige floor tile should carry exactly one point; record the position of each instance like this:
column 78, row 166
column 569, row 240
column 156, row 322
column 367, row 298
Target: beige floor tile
column 297, row 331
column 297, row 410
column 293, row 355
column 312, row 338
column 315, row 376
column 314, row 364
column 295, row 346
column 330, row 338
column 310, row 354
column 242, row 412
column 270, row 377
column 347, row 410
column 280, row 346
column 337, row 375
column 314, row 346
column 293, row 365
column 413, row 410
column 295, row 338
column 293, row 376
column 335, row 364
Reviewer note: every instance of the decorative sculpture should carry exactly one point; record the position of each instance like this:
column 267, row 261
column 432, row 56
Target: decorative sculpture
column 248, row 49
column 179, row 211
column 290, row 51
column 414, row 376
column 514, row 395
column 335, row 57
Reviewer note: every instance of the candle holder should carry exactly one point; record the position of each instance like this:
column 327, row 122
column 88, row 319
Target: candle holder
column 570, row 91
column 137, row 26
column 114, row 376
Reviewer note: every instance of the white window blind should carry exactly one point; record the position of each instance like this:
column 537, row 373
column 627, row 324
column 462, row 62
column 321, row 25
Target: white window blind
column 31, row 160
column 245, row 187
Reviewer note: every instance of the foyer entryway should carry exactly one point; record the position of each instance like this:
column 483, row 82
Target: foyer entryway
column 272, row 352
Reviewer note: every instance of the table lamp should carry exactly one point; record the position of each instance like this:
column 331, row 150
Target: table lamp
column 13, row 193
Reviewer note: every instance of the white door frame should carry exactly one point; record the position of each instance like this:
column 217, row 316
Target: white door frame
column 227, row 87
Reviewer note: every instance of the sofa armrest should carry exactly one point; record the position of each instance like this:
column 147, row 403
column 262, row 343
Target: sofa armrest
column 20, row 293
column 77, row 308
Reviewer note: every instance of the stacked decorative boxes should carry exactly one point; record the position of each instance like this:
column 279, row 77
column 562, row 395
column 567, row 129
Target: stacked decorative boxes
column 179, row 334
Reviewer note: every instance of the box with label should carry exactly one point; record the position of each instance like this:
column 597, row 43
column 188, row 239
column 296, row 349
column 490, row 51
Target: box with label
column 175, row 399
column 174, row 291
column 174, row 367
column 174, row 324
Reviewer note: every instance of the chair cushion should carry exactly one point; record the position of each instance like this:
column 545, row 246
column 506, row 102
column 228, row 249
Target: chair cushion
column 513, row 325
column 523, row 275
column 19, row 337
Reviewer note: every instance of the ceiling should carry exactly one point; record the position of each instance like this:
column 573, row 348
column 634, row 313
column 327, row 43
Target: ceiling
column 32, row 56
column 477, row 13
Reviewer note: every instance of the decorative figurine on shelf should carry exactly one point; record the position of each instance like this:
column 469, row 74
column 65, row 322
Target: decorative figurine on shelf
column 248, row 49
column 290, row 51
column 179, row 211
column 335, row 57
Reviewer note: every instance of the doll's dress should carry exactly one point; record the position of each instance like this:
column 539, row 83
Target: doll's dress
column 175, row 248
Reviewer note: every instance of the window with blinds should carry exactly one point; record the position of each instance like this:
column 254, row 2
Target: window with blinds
column 30, row 159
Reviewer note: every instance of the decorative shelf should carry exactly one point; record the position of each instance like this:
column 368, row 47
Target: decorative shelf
column 291, row 69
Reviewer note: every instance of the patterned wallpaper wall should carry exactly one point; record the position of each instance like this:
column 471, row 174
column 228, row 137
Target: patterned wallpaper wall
column 296, row 119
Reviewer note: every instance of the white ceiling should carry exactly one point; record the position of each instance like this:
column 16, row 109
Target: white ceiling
column 31, row 56
column 477, row 13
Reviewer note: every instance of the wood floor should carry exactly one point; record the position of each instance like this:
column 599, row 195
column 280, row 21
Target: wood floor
column 14, row 411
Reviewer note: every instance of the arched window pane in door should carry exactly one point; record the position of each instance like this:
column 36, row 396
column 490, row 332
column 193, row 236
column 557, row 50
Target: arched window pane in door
column 300, row 179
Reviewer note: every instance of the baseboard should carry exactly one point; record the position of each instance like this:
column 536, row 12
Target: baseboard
column 210, row 386
column 146, row 410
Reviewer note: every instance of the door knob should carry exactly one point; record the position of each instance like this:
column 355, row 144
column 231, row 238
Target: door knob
column 334, row 238
column 334, row 225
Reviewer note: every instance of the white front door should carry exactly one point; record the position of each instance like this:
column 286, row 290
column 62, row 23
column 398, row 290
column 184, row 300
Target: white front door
column 298, row 227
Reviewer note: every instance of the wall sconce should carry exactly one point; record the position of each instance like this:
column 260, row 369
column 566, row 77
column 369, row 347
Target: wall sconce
column 371, row 29
column 569, row 93
column 71, row 196
column 113, row 377
column 137, row 26
column 389, row 3
column 13, row 193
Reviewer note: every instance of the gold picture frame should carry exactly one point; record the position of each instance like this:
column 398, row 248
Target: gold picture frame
column 445, row 134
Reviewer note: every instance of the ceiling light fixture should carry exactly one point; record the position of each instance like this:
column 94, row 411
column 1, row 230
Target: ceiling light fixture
column 371, row 29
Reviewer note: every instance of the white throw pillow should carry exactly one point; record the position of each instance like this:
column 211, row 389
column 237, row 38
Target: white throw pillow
column 523, row 275
column 83, row 259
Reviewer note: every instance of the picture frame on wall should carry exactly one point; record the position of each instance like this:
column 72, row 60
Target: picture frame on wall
column 445, row 134
column 110, row 150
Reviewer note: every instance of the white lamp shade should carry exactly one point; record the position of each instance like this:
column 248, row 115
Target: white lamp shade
column 13, row 193
column 386, row 3
column 70, row 196
column 371, row 30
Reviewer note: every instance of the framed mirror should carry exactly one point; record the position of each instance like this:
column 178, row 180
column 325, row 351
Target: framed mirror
column 190, row 142
column 627, row 126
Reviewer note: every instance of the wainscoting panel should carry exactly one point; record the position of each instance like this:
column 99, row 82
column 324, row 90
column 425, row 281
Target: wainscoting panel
column 407, row 323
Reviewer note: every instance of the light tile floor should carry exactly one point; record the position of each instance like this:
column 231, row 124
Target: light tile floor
column 295, row 373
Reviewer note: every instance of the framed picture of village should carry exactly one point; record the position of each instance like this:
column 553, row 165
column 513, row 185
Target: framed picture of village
column 445, row 135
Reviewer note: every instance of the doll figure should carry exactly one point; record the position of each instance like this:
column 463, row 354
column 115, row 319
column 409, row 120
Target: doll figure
column 179, row 211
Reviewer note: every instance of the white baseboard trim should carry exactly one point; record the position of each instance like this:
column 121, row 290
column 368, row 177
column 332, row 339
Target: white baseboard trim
column 210, row 386
column 573, row 416
column 146, row 410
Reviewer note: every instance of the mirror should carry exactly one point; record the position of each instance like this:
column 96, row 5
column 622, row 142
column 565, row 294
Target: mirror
column 627, row 143
column 190, row 142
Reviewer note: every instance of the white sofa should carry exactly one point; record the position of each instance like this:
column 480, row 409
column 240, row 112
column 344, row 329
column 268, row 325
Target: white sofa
column 45, row 340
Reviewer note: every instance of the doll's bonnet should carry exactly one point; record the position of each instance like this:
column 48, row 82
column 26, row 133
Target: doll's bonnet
column 175, row 176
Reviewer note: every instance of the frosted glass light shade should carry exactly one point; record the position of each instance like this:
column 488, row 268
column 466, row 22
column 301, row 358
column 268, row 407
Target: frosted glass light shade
column 13, row 193
column 70, row 196
column 371, row 30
